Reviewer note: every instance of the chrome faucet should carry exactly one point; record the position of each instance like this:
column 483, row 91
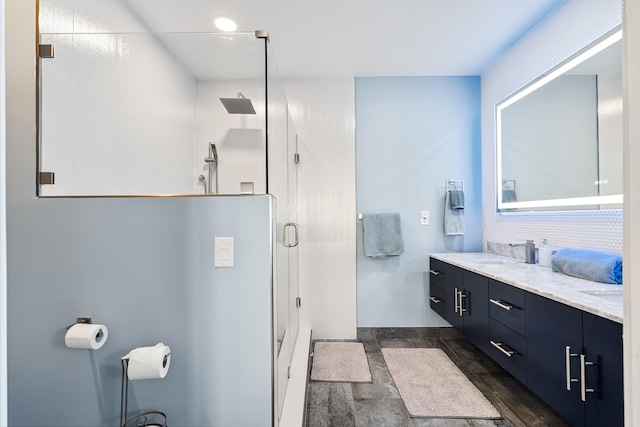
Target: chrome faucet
column 529, row 251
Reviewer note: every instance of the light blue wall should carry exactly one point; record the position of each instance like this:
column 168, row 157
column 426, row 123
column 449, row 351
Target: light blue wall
column 143, row 267
column 412, row 134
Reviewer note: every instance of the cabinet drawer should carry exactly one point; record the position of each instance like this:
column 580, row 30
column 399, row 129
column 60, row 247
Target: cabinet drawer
column 507, row 306
column 436, row 299
column 438, row 272
column 503, row 342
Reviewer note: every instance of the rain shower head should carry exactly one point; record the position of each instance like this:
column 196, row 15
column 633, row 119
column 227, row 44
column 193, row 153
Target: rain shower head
column 239, row 105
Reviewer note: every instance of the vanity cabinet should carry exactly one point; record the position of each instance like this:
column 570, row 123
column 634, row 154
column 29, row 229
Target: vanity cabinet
column 568, row 357
column 474, row 309
column 443, row 279
column 575, row 362
column 439, row 273
column 507, row 328
column 463, row 295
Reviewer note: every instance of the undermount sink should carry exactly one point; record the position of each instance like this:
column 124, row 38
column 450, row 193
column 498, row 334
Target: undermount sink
column 607, row 295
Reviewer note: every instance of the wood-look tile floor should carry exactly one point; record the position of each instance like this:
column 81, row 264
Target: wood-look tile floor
column 378, row 404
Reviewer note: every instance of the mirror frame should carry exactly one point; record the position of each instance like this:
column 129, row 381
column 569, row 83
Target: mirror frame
column 604, row 42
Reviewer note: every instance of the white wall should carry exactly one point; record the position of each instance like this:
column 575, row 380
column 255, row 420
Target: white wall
column 572, row 26
column 323, row 112
column 413, row 134
column 631, row 90
column 117, row 109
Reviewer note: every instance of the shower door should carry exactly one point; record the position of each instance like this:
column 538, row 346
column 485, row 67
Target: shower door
column 282, row 183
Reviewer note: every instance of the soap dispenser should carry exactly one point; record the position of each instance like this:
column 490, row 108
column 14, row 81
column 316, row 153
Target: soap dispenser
column 530, row 252
column 544, row 254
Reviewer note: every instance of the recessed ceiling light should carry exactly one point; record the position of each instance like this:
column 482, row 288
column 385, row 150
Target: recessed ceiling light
column 225, row 24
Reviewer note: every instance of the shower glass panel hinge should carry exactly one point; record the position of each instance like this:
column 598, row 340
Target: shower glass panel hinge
column 296, row 158
column 262, row 34
column 45, row 51
column 288, row 371
column 47, row 178
column 298, row 302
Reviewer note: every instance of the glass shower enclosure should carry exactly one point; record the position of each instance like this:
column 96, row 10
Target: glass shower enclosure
column 175, row 114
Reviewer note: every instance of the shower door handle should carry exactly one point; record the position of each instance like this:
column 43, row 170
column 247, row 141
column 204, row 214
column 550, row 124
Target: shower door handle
column 285, row 240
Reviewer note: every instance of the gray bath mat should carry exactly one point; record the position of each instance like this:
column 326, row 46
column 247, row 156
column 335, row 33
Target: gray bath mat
column 340, row 362
column 431, row 385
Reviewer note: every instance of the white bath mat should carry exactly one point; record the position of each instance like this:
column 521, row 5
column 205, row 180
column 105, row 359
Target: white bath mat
column 431, row 385
column 340, row 362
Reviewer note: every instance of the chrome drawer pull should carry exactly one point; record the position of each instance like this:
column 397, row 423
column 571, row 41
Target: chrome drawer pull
column 567, row 365
column 583, row 378
column 499, row 345
column 435, row 300
column 434, row 272
column 502, row 304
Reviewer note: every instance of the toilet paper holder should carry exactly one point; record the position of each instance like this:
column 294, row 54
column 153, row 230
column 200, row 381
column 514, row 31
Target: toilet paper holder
column 143, row 418
column 85, row 320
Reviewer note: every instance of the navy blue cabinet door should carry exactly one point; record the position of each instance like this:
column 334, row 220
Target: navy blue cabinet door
column 452, row 285
column 603, row 346
column 551, row 327
column 476, row 304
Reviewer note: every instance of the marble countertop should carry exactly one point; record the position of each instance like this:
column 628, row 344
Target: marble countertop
column 601, row 299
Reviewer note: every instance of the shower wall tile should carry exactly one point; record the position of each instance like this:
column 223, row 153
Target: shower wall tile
column 117, row 109
column 575, row 24
column 104, row 16
column 239, row 138
column 323, row 112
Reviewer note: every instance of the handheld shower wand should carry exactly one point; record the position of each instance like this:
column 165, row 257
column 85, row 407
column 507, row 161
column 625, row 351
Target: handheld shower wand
column 212, row 159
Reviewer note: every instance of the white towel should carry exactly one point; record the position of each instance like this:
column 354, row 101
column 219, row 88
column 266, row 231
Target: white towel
column 453, row 219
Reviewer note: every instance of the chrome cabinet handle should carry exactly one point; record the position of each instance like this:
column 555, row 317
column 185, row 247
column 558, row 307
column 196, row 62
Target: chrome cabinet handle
column 499, row 345
column 567, row 365
column 434, row 272
column 583, row 380
column 502, row 304
column 462, row 309
column 435, row 300
column 455, row 301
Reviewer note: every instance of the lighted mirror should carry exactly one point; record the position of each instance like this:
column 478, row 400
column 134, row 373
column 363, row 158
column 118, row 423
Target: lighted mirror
column 559, row 139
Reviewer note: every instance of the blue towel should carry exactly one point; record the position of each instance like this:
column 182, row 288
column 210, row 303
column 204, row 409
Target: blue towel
column 509, row 196
column 456, row 199
column 591, row 265
column 453, row 218
column 382, row 234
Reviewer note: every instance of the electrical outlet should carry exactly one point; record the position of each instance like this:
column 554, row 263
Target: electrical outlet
column 424, row 217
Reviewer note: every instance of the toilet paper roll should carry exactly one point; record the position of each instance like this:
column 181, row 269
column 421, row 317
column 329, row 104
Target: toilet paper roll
column 148, row 362
column 86, row 336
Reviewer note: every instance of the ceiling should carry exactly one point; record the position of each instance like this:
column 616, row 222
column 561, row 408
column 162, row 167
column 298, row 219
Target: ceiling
column 347, row 38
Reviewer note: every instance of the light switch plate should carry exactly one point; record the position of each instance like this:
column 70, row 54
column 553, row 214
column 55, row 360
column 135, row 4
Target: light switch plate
column 424, row 217
column 224, row 256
